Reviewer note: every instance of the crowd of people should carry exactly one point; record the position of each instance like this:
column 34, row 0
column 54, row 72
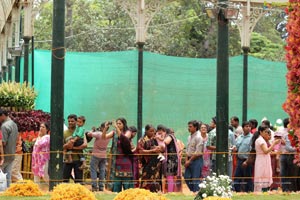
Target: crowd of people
column 258, row 155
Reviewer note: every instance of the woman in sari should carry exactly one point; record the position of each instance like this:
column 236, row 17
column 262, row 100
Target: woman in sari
column 152, row 164
column 173, row 163
column 41, row 155
column 206, row 152
column 142, row 153
column 122, row 158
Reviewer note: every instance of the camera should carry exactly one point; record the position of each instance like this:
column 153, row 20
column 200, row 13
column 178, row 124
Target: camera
column 109, row 122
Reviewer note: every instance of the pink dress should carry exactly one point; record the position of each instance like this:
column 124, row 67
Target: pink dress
column 206, row 159
column 40, row 155
column 263, row 168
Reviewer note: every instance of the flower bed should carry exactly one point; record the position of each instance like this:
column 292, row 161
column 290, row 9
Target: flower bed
column 292, row 103
column 216, row 186
column 29, row 120
column 67, row 191
column 139, row 194
column 28, row 123
column 23, row 188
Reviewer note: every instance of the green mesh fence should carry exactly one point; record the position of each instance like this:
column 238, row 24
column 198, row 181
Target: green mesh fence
column 103, row 86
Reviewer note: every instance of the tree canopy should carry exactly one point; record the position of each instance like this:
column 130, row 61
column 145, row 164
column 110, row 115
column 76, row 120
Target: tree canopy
column 179, row 29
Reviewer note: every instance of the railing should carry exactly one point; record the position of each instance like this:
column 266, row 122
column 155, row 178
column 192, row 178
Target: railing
column 26, row 166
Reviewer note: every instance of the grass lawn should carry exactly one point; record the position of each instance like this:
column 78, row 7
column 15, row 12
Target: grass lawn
column 267, row 197
column 178, row 197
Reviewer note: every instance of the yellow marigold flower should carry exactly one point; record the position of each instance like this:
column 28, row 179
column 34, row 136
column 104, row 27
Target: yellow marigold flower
column 23, row 188
column 139, row 194
column 71, row 191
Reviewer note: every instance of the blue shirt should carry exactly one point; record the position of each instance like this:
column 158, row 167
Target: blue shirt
column 243, row 144
column 231, row 143
column 212, row 141
column 288, row 145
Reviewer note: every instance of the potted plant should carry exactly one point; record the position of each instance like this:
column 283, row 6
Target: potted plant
column 17, row 96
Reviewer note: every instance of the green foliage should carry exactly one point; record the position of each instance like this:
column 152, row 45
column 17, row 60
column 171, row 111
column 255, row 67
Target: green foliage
column 90, row 26
column 179, row 29
column 20, row 96
column 264, row 48
column 267, row 27
column 43, row 27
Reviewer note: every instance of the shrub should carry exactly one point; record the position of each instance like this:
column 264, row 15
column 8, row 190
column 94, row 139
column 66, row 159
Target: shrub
column 217, row 186
column 17, row 95
column 29, row 120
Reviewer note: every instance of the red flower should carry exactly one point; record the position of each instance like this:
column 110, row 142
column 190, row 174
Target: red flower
column 292, row 103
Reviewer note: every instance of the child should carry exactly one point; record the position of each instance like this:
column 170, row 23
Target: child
column 277, row 149
column 160, row 136
column 78, row 139
column 133, row 131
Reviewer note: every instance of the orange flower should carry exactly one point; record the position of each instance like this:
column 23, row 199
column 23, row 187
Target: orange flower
column 292, row 103
column 23, row 188
column 139, row 194
column 71, row 191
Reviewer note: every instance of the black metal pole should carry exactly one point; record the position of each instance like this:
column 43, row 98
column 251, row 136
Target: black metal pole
column 222, row 92
column 32, row 60
column 140, row 90
column 9, row 63
column 4, row 73
column 18, row 58
column 0, row 77
column 26, row 58
column 245, row 83
column 57, row 93
column 17, row 69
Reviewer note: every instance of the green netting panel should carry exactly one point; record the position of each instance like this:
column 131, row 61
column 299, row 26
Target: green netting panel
column 103, row 86
column 29, row 69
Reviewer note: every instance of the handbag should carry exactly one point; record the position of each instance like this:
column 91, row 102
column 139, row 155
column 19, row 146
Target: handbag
column 25, row 148
column 3, row 181
column 251, row 158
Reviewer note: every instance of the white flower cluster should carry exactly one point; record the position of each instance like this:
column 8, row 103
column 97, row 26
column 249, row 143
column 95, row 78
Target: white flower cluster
column 215, row 186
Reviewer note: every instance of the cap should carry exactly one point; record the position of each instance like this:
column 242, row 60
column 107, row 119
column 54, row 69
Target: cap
column 278, row 133
column 279, row 121
column 263, row 119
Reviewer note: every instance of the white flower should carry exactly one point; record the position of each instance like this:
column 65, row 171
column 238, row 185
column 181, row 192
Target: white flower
column 216, row 185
